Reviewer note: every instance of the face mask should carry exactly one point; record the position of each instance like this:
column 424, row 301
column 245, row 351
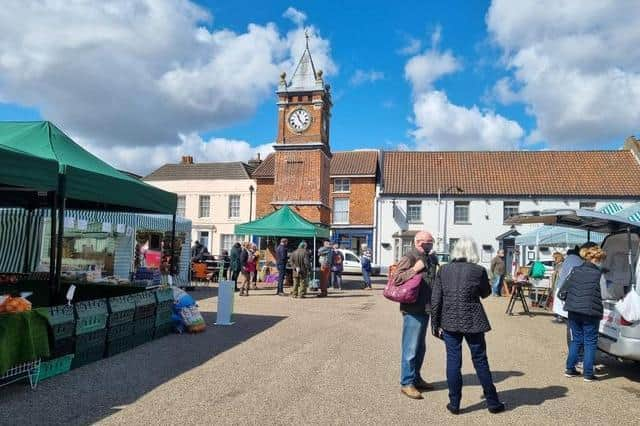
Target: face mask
column 427, row 247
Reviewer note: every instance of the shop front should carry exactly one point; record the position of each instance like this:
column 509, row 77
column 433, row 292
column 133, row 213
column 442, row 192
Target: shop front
column 353, row 238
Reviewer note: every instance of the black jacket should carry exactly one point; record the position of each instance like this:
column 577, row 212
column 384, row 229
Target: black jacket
column 455, row 301
column 423, row 302
column 281, row 255
column 581, row 291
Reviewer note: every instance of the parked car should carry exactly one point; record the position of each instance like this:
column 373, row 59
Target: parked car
column 618, row 336
column 352, row 263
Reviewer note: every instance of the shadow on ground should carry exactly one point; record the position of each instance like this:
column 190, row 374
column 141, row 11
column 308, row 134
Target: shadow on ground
column 472, row 379
column 98, row 390
column 515, row 398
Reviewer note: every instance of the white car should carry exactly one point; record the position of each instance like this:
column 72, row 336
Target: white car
column 351, row 263
column 618, row 336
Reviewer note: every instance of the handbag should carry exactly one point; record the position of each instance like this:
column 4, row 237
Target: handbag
column 407, row 292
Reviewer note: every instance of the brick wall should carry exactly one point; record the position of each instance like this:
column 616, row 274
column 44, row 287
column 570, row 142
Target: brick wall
column 315, row 132
column 301, row 176
column 361, row 200
column 264, row 196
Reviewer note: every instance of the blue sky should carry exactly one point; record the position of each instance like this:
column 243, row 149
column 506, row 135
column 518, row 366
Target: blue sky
column 140, row 82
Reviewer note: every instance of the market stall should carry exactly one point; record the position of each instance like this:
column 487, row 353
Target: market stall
column 282, row 223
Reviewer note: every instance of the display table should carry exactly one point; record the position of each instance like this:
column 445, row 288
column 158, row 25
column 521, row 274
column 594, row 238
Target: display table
column 23, row 337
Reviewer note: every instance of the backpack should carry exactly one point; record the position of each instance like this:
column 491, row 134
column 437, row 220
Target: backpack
column 537, row 270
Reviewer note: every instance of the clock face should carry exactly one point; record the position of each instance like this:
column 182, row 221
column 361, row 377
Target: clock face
column 299, row 120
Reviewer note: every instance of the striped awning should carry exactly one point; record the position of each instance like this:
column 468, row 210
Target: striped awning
column 137, row 221
column 20, row 232
column 611, row 208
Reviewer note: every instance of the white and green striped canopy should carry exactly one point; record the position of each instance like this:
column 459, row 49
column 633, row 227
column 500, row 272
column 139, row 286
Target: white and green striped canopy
column 611, row 208
column 14, row 241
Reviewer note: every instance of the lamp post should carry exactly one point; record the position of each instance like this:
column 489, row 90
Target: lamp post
column 446, row 205
column 251, row 189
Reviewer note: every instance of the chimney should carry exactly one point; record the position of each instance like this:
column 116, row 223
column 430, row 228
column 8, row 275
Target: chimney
column 256, row 161
column 187, row 159
column 632, row 144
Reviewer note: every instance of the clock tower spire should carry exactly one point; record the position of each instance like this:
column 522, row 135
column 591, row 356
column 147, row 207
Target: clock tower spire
column 302, row 147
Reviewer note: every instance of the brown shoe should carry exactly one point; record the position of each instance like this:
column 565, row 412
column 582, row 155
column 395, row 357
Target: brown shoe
column 411, row 392
column 423, row 386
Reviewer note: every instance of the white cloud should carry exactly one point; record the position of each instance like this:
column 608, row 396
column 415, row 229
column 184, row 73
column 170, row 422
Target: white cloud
column 577, row 65
column 440, row 124
column 296, row 16
column 443, row 125
column 370, row 76
column 136, row 73
column 504, row 92
column 412, row 46
column 211, row 150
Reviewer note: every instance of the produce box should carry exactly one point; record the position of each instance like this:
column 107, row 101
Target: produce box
column 164, row 299
column 163, row 330
column 61, row 319
column 91, row 315
column 92, row 354
column 163, row 317
column 120, row 331
column 119, row 345
column 90, row 340
column 145, row 304
column 121, row 310
column 144, row 324
column 143, row 337
column 61, row 347
column 55, row 367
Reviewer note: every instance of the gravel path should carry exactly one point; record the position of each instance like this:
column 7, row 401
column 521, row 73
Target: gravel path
column 323, row 361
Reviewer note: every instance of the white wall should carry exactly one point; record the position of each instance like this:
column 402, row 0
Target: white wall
column 485, row 220
column 219, row 191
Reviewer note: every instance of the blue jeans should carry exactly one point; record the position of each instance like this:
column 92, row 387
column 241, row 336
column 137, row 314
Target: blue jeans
column 414, row 347
column 282, row 269
column 496, row 286
column 478, row 348
column 584, row 334
column 336, row 279
column 366, row 277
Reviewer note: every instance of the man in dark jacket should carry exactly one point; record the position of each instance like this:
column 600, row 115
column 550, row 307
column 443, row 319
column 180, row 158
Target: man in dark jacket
column 301, row 267
column 282, row 256
column 415, row 316
column 498, row 269
column 235, row 264
column 583, row 300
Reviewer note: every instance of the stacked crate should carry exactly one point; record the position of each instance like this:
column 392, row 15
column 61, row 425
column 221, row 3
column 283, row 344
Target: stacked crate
column 120, row 324
column 62, row 323
column 144, row 318
column 164, row 311
column 91, row 331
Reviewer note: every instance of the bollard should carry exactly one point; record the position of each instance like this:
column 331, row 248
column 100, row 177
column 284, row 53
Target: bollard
column 226, row 294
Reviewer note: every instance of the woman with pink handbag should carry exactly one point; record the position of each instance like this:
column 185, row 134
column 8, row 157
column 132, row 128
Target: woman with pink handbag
column 415, row 311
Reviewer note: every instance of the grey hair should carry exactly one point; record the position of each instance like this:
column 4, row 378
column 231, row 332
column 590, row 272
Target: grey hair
column 465, row 248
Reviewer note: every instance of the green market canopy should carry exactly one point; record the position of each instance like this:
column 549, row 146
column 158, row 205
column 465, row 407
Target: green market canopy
column 87, row 178
column 283, row 222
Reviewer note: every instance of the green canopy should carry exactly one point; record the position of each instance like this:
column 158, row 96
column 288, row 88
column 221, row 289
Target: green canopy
column 18, row 168
column 87, row 178
column 284, row 222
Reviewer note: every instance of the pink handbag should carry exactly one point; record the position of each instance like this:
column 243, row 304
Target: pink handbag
column 407, row 292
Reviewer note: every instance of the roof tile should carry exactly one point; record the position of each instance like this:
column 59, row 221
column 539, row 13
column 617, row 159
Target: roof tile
column 347, row 163
column 231, row 170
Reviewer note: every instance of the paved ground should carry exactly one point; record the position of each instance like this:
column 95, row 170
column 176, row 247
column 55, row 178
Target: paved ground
column 322, row 361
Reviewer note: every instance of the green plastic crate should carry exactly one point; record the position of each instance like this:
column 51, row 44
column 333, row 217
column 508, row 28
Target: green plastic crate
column 163, row 317
column 163, row 330
column 120, row 331
column 164, row 299
column 90, row 340
column 143, row 337
column 87, row 357
column 144, row 324
column 121, row 310
column 145, row 304
column 119, row 345
column 91, row 315
column 61, row 320
column 55, row 367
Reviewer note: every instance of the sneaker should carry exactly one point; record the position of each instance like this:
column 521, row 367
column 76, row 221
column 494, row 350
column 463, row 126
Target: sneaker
column 497, row 409
column 590, row 379
column 571, row 373
column 423, row 386
column 452, row 409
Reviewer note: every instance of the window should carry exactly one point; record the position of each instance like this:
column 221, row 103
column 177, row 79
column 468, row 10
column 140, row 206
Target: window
column 510, row 208
column 351, row 258
column 414, row 211
column 204, row 206
column 228, row 240
column 461, row 212
column 341, row 210
column 234, row 206
column 341, row 185
column 203, row 237
column 587, row 205
column 181, row 209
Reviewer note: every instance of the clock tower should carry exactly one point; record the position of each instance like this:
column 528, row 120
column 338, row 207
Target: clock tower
column 302, row 151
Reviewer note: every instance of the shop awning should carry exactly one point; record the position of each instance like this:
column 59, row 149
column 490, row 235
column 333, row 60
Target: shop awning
column 21, row 169
column 87, row 178
column 284, row 222
column 557, row 236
